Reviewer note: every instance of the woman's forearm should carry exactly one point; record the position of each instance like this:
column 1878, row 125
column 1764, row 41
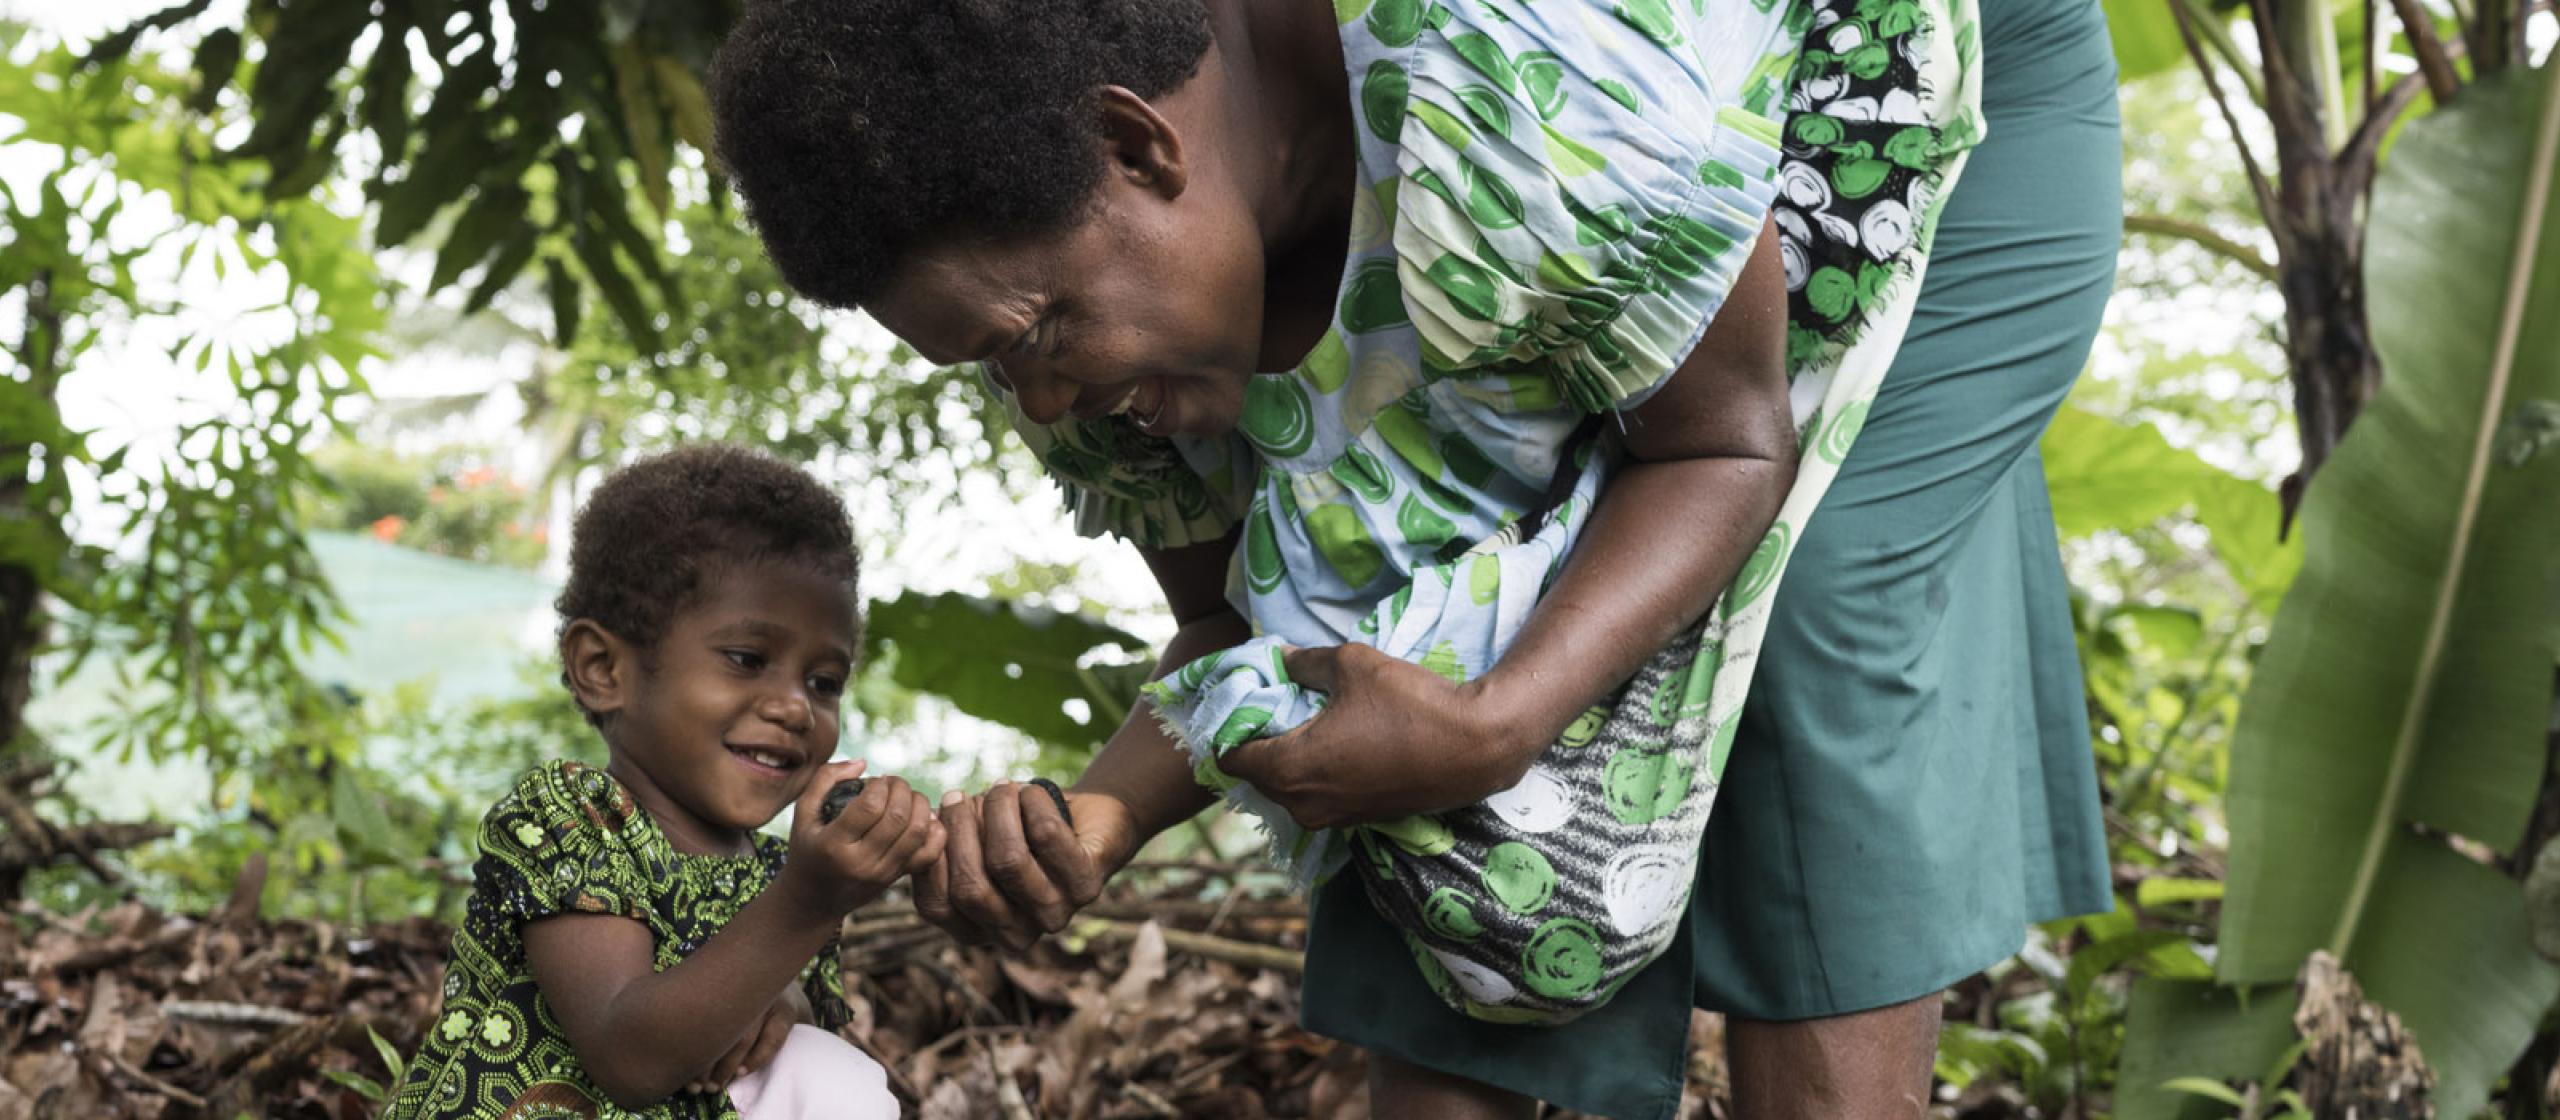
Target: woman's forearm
column 1664, row 540
column 1142, row 767
column 1710, row 459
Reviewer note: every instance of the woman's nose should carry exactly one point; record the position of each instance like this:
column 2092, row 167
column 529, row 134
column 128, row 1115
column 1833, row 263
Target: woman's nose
column 1043, row 396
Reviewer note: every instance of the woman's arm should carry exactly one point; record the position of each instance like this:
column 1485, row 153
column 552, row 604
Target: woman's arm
column 1015, row 869
column 641, row 1034
column 1711, row 457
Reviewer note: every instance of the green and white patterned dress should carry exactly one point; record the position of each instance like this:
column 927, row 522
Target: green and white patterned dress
column 568, row 839
column 1555, row 197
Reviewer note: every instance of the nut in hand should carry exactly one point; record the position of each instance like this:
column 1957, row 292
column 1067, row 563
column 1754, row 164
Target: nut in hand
column 837, row 798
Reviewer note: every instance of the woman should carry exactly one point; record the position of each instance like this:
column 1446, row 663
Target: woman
column 1463, row 230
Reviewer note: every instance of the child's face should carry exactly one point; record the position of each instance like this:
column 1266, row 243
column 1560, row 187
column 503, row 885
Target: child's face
column 738, row 704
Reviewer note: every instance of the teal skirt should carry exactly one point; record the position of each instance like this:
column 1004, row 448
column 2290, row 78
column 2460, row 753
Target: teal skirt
column 1913, row 784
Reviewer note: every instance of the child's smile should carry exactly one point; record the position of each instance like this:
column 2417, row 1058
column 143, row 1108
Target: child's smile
column 737, row 704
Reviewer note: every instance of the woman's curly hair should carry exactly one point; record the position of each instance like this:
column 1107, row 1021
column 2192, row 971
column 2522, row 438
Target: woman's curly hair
column 857, row 129
column 644, row 543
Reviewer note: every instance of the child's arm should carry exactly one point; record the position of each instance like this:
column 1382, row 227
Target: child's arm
column 642, row 1035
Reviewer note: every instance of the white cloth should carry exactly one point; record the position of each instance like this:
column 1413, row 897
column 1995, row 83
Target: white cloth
column 816, row 1076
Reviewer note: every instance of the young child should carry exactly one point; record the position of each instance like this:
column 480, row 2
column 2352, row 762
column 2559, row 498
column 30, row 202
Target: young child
column 632, row 944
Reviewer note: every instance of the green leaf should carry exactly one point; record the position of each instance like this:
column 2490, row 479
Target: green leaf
column 498, row 211
column 1012, row 663
column 217, row 58
column 2407, row 679
column 563, row 289
column 2181, row 1029
column 2207, row 1088
column 2170, row 892
column 2145, row 36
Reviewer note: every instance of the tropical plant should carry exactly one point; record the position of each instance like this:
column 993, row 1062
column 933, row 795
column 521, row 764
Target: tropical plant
column 2392, row 744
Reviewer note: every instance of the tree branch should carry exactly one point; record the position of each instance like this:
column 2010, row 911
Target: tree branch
column 2423, row 42
column 2219, row 38
column 2203, row 237
column 2188, row 20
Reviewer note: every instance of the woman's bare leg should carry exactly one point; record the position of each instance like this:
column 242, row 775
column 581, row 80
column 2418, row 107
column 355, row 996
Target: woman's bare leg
column 1400, row 1089
column 1869, row 1064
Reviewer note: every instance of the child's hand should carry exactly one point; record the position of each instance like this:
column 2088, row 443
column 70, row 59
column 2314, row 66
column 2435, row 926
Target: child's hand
column 888, row 832
column 762, row 1042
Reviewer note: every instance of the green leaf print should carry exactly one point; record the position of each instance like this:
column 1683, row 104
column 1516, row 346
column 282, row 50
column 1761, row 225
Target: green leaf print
column 1484, row 580
column 1383, row 92
column 1490, row 109
column 1684, row 246
column 1585, row 727
column 1761, row 571
column 1534, row 392
column 1421, row 835
column 1443, row 661
column 1519, row 878
column 1859, row 175
column 1841, row 432
column 1423, row 526
column 1471, row 288
column 1451, row 913
column 1641, row 786
column 1597, row 227
column 1564, row 271
column 1327, row 366
column 1344, row 542
column 1374, row 300
column 1718, row 173
column 1407, row 437
column 1619, row 93
column 1872, row 278
column 1277, row 418
column 1486, row 56
column 1869, row 62
column 1562, row 960
column 1490, row 199
column 1831, row 292
column 1571, row 158
column 1816, row 129
column 1344, row 11
column 1542, row 78
column 1396, row 23
column 1911, row 147
column 1653, row 18
column 1360, row 471
column 1242, row 724
column 1449, row 128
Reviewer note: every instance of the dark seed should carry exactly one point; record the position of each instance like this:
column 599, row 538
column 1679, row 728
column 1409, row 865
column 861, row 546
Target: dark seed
column 1057, row 796
column 837, row 798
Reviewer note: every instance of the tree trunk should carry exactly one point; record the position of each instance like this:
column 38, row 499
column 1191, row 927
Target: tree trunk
column 22, row 621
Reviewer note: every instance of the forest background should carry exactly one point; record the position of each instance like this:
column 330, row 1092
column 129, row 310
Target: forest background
column 317, row 318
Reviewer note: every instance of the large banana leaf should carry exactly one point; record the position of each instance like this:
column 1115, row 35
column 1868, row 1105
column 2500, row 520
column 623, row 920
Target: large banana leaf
column 2408, row 675
column 1060, row 678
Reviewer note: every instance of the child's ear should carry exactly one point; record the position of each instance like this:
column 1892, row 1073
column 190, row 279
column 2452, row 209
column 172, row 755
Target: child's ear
column 599, row 666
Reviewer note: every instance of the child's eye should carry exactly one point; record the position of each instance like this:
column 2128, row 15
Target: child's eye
column 746, row 659
column 826, row 686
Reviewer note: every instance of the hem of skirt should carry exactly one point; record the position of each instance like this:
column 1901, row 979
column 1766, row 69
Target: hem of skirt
column 1806, row 1009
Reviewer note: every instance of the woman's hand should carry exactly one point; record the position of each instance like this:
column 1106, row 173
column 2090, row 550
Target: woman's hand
column 1014, row 869
column 1393, row 740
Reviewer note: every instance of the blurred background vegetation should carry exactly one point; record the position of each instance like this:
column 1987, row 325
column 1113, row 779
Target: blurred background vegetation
column 319, row 316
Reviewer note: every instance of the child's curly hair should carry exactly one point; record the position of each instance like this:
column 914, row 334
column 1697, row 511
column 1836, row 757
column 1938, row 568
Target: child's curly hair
column 647, row 538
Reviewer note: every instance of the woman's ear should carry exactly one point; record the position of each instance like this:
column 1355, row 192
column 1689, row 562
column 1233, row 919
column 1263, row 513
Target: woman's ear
column 1143, row 147
column 598, row 666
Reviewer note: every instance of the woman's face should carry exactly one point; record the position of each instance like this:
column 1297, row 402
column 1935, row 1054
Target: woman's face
column 1149, row 305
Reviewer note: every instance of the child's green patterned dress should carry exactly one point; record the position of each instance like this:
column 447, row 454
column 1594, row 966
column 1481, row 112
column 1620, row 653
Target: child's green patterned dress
column 569, row 840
